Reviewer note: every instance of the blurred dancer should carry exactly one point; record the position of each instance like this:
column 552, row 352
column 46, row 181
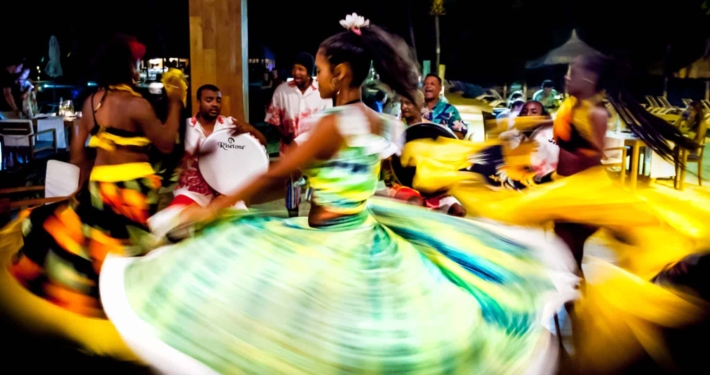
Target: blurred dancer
column 622, row 317
column 581, row 124
column 428, row 293
column 292, row 103
column 65, row 244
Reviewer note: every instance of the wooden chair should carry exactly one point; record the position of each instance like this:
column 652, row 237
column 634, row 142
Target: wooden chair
column 690, row 157
column 611, row 160
column 19, row 136
column 61, row 181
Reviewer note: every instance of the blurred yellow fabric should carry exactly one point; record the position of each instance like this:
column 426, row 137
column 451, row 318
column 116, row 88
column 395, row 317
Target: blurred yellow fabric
column 174, row 79
column 38, row 318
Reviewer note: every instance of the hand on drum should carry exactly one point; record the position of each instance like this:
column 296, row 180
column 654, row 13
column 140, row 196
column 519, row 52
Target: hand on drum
column 241, row 127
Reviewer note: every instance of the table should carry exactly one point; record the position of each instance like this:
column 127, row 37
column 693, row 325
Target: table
column 635, row 143
column 56, row 123
column 71, row 125
column 65, row 127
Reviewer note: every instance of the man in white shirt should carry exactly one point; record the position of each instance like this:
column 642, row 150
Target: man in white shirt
column 191, row 187
column 291, row 104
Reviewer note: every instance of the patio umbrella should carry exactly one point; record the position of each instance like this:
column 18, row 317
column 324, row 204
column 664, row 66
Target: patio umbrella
column 699, row 69
column 563, row 54
column 54, row 66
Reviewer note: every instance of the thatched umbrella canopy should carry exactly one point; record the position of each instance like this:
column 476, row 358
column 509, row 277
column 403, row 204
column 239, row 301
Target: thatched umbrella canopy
column 563, row 54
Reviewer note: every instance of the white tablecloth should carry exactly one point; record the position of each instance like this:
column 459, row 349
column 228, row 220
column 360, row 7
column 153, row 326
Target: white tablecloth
column 56, row 123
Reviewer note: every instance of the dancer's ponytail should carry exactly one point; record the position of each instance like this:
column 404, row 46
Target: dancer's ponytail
column 391, row 56
column 654, row 131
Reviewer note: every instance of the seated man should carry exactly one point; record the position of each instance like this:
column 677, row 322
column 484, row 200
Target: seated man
column 438, row 111
column 191, row 187
column 547, row 96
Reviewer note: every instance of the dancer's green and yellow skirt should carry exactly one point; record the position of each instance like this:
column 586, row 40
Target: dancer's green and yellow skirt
column 399, row 289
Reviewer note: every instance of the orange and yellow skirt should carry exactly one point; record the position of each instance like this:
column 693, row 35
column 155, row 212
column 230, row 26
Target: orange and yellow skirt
column 52, row 255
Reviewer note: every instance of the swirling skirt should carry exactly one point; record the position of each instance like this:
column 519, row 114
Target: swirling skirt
column 405, row 291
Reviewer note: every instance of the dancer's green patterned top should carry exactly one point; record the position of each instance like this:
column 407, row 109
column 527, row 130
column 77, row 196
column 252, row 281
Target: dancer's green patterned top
column 344, row 183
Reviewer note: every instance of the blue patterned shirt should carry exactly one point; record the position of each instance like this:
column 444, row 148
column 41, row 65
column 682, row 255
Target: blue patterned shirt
column 447, row 115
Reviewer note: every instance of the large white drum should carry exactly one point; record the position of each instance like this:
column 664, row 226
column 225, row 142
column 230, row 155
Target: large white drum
column 227, row 162
column 544, row 160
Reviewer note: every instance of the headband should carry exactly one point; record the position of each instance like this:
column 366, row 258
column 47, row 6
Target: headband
column 354, row 23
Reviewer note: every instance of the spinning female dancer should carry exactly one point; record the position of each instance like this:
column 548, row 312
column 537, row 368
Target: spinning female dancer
column 65, row 243
column 581, row 124
column 623, row 317
column 362, row 286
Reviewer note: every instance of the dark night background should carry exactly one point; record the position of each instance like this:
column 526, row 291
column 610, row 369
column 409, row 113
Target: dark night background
column 482, row 42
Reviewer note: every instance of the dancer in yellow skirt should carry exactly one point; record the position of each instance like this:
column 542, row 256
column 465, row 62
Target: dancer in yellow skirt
column 623, row 316
column 59, row 255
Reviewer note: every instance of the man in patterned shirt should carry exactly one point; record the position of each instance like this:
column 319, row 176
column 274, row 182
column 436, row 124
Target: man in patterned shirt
column 293, row 102
column 439, row 111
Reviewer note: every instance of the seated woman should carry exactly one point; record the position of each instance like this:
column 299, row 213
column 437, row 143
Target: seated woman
column 64, row 245
column 534, row 125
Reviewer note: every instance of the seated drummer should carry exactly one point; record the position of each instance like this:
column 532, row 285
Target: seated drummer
column 412, row 115
column 191, row 187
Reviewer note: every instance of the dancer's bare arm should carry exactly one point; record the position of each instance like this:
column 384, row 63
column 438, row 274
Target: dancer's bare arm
column 322, row 144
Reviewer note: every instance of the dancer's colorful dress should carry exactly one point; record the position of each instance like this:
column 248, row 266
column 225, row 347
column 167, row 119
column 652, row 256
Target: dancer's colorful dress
column 622, row 315
column 388, row 288
column 58, row 251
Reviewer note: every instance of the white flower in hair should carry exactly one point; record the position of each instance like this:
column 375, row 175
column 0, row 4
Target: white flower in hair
column 354, row 23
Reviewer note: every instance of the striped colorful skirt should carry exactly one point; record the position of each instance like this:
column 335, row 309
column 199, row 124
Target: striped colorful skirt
column 400, row 290
column 66, row 243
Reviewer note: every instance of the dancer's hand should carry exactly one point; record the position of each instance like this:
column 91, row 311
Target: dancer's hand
column 194, row 213
column 175, row 85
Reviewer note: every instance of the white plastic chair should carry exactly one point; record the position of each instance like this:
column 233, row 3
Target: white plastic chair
column 61, row 179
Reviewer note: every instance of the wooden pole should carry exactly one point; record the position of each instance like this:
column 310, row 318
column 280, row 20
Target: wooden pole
column 219, row 52
column 438, row 43
column 411, row 31
column 437, row 9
